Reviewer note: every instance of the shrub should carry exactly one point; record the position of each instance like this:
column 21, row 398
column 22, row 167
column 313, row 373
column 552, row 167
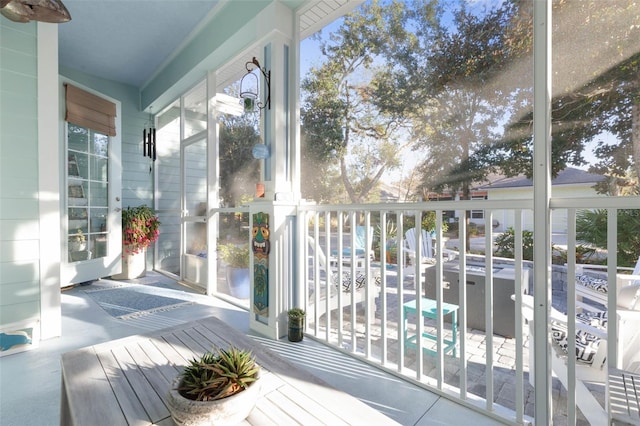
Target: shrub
column 505, row 244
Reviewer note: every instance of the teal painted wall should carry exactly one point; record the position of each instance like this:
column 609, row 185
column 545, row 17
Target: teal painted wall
column 19, row 209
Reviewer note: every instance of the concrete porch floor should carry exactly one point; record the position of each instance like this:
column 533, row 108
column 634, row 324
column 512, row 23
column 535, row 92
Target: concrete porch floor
column 30, row 381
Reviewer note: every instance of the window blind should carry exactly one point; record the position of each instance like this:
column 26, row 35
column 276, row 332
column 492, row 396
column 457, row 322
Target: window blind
column 88, row 110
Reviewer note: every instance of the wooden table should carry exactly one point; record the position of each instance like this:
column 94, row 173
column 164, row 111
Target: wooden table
column 125, row 382
column 429, row 310
column 624, row 397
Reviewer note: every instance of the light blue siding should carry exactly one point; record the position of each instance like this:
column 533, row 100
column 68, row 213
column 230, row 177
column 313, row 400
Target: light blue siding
column 19, row 209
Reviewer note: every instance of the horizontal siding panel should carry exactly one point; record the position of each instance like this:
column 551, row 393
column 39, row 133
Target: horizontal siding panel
column 137, row 165
column 29, row 311
column 19, row 229
column 17, row 103
column 12, row 187
column 21, row 144
column 19, row 37
column 19, row 293
column 12, row 126
column 18, row 208
column 17, row 61
column 18, row 83
column 19, row 251
column 133, row 148
column 19, row 272
column 18, row 167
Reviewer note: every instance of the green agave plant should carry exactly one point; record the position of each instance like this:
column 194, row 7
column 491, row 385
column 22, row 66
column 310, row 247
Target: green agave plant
column 218, row 375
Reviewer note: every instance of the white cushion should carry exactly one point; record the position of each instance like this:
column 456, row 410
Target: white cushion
column 586, row 343
column 597, row 284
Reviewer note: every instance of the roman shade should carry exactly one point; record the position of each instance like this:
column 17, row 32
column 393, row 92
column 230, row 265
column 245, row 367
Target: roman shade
column 88, row 110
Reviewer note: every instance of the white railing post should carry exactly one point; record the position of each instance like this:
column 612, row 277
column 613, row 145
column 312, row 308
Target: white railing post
column 518, row 255
column 488, row 305
column 542, row 91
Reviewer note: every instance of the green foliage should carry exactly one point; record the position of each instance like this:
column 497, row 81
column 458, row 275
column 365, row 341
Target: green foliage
column 583, row 255
column 429, row 222
column 344, row 134
column 239, row 171
column 296, row 313
column 596, row 99
column 218, row 375
column 505, row 244
column 236, row 256
column 79, row 236
column 591, row 227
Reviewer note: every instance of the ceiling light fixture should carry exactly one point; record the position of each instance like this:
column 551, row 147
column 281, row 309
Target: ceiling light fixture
column 52, row 11
column 249, row 87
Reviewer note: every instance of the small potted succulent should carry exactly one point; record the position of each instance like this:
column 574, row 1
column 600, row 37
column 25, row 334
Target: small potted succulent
column 296, row 324
column 220, row 387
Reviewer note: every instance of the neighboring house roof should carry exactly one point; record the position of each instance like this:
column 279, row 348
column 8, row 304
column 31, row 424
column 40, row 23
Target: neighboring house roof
column 568, row 176
column 389, row 193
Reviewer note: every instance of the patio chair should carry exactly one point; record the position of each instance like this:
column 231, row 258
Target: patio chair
column 591, row 347
column 329, row 274
column 591, row 283
column 427, row 253
column 360, row 249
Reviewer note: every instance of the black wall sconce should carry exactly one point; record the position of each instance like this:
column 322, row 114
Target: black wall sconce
column 249, row 87
column 149, row 140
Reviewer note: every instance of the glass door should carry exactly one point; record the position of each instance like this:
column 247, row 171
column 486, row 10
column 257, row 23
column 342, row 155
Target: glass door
column 194, row 197
column 92, row 225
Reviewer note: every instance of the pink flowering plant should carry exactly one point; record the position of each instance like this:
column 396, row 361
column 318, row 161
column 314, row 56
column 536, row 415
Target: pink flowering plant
column 139, row 228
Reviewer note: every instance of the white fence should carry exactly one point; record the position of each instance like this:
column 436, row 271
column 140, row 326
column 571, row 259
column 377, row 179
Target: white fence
column 361, row 296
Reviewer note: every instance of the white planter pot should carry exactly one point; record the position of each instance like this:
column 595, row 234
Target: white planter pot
column 77, row 246
column 133, row 265
column 226, row 411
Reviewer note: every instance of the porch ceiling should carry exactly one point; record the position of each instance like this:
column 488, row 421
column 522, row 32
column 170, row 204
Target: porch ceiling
column 128, row 41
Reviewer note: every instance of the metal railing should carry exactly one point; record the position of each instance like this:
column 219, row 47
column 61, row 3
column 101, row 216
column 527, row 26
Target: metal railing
column 361, row 295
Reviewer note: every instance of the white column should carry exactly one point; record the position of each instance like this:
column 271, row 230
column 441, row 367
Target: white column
column 542, row 216
column 281, row 170
column 48, row 181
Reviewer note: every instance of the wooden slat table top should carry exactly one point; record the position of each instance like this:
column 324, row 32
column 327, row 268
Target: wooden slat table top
column 624, row 396
column 125, row 382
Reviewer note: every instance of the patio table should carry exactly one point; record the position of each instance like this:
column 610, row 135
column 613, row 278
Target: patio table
column 429, row 310
column 125, row 381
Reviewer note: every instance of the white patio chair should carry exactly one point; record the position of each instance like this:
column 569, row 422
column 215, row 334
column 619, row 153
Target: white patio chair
column 427, row 253
column 591, row 283
column 359, row 250
column 329, row 275
column 591, row 347
column 411, row 244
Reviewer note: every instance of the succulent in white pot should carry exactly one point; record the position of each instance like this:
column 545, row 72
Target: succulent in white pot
column 220, row 387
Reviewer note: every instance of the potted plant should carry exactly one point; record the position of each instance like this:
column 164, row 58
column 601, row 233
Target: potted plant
column 237, row 259
column 140, row 229
column 78, row 242
column 220, row 387
column 296, row 324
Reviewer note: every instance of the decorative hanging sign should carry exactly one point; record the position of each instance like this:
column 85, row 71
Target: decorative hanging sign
column 261, row 247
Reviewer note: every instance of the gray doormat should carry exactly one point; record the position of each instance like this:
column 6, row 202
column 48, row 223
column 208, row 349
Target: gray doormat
column 133, row 301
